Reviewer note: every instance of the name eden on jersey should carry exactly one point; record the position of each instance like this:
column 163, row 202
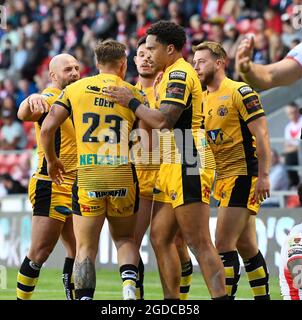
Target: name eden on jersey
column 101, row 102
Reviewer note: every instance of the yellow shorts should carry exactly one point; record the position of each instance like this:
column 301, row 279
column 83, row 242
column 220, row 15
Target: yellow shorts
column 236, row 191
column 146, row 179
column 122, row 202
column 183, row 184
column 50, row 200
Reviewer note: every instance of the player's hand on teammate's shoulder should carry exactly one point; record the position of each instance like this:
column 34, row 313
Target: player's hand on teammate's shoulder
column 37, row 103
column 121, row 95
column 244, row 55
column 55, row 171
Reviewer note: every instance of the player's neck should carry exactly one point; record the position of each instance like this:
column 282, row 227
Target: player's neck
column 110, row 71
column 216, row 82
column 145, row 82
column 173, row 59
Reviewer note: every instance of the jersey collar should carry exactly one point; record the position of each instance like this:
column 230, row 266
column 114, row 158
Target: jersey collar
column 174, row 64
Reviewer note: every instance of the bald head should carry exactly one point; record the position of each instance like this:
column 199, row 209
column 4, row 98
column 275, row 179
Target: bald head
column 63, row 70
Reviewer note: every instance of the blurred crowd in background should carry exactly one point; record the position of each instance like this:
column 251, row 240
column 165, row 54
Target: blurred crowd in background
column 39, row 29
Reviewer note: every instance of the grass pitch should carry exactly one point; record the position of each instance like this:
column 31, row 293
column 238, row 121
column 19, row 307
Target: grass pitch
column 108, row 287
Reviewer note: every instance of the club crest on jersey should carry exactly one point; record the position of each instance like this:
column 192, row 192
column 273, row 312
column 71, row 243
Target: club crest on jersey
column 178, row 75
column 222, row 111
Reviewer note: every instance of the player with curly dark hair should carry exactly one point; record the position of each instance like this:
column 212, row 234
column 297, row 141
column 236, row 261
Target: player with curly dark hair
column 188, row 184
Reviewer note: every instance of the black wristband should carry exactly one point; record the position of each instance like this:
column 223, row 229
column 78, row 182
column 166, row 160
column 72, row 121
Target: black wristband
column 134, row 104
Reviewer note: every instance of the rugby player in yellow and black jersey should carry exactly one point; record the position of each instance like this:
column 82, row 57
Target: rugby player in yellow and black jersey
column 147, row 173
column 52, row 215
column 106, row 184
column 237, row 132
column 185, row 174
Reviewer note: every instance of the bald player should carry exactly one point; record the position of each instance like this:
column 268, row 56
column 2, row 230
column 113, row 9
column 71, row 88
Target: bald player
column 52, row 215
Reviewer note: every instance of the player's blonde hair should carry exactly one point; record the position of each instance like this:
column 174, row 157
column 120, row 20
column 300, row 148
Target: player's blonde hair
column 215, row 48
column 109, row 51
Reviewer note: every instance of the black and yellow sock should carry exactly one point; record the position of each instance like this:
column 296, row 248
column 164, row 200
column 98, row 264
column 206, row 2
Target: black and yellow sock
column 68, row 278
column 225, row 297
column 84, row 294
column 27, row 279
column 232, row 272
column 186, row 279
column 257, row 273
column 140, row 280
column 128, row 274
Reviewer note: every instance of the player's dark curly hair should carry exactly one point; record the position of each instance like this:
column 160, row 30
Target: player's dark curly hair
column 141, row 41
column 167, row 32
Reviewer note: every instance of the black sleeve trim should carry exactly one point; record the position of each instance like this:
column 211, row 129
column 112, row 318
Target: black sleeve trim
column 59, row 103
column 40, row 121
column 259, row 115
column 177, row 104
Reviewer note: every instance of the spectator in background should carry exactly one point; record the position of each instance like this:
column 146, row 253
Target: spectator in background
column 261, row 54
column 277, row 50
column 288, row 31
column 103, row 26
column 24, row 89
column 124, row 26
column 278, row 179
column 11, row 186
column 12, row 135
column 6, row 55
column 292, row 133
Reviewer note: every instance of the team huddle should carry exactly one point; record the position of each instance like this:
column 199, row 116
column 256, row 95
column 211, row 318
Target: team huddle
column 149, row 154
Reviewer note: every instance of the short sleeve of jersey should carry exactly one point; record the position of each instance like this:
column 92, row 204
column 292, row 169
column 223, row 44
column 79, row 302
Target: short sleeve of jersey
column 177, row 89
column 296, row 54
column 49, row 96
column 248, row 103
column 294, row 247
column 138, row 94
column 63, row 100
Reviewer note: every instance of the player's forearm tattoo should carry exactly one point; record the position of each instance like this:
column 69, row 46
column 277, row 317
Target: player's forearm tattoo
column 84, row 274
column 171, row 112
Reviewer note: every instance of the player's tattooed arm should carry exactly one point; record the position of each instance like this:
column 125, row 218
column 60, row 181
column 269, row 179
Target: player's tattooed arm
column 165, row 118
column 84, row 274
column 172, row 113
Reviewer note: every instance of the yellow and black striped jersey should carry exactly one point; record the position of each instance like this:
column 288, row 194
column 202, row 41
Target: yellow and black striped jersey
column 65, row 145
column 102, row 130
column 181, row 87
column 227, row 113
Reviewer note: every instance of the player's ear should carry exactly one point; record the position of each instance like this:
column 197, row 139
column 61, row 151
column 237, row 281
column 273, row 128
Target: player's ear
column 135, row 59
column 170, row 48
column 52, row 75
column 124, row 66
